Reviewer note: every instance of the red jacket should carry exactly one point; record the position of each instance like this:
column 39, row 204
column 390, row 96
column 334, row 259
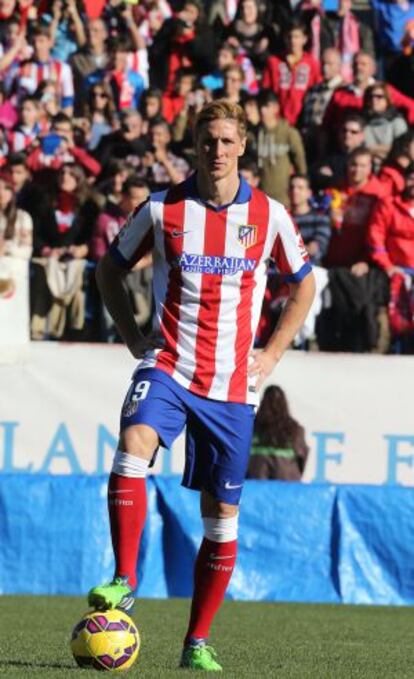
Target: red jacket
column 37, row 160
column 348, row 98
column 391, row 234
column 393, row 179
column 351, row 211
column 291, row 83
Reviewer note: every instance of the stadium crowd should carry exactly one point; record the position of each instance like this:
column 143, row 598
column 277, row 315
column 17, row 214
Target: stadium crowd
column 97, row 101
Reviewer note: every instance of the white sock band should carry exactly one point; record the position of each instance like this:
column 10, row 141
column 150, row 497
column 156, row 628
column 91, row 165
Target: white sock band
column 221, row 530
column 125, row 464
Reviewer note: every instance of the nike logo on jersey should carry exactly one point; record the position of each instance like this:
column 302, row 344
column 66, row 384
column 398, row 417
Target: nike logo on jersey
column 112, row 492
column 178, row 234
column 230, row 486
column 214, row 557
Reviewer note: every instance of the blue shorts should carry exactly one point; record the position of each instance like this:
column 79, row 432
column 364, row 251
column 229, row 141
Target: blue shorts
column 218, row 435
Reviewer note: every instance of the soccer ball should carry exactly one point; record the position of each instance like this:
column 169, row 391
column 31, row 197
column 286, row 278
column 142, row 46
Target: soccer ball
column 105, row 640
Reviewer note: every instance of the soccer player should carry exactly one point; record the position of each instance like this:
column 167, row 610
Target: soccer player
column 211, row 238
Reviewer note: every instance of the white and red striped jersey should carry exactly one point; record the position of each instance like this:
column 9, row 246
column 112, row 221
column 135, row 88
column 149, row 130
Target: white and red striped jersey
column 210, row 270
column 32, row 73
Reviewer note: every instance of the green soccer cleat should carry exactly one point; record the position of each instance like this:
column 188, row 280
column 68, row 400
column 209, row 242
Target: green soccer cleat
column 115, row 594
column 200, row 657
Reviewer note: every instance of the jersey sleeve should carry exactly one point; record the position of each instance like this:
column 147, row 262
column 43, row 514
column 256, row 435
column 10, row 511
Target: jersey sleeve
column 289, row 252
column 135, row 239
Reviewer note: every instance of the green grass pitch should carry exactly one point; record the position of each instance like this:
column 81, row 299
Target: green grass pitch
column 290, row 641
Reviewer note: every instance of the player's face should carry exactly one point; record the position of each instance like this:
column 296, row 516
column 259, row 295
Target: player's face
column 219, row 146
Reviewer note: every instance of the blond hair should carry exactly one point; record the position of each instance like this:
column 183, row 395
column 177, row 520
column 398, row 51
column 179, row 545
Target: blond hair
column 221, row 109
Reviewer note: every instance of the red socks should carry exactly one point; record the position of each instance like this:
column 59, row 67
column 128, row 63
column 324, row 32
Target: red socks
column 127, row 504
column 213, row 570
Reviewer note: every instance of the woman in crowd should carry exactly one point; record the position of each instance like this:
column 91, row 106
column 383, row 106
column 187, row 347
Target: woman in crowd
column 384, row 123
column 279, row 449
column 101, row 111
column 16, row 226
column 250, row 34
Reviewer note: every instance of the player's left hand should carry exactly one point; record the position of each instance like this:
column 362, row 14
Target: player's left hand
column 261, row 365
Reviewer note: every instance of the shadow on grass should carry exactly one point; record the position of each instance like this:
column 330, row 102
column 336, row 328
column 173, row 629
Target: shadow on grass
column 46, row 665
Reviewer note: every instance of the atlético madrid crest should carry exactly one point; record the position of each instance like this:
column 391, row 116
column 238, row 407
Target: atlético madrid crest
column 247, row 235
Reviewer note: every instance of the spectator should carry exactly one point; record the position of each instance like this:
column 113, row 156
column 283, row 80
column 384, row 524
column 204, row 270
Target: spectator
column 43, row 67
column 249, row 170
column 183, row 41
column 14, row 49
column 332, row 169
column 292, row 75
column 250, row 34
column 279, row 449
column 383, row 124
column 228, row 55
column 314, row 224
column 280, row 149
column 391, row 18
column 16, row 226
column 110, row 188
column 401, row 70
column 351, row 208
column 350, row 98
column 151, row 107
column 29, row 196
column 316, row 101
column 66, row 28
column 89, row 63
column 160, row 166
column 127, row 143
column 47, row 94
column 8, row 113
column 233, row 85
column 399, row 158
column 127, row 85
column 391, row 230
column 138, row 281
column 58, row 148
column 28, row 126
column 174, row 101
column 101, row 112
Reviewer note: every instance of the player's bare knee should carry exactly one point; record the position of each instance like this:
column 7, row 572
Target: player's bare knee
column 140, row 440
column 213, row 508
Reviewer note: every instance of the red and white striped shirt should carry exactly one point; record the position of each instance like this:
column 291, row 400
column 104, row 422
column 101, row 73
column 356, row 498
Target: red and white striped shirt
column 210, row 270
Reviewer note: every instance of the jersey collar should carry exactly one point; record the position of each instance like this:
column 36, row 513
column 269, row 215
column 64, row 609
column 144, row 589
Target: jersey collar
column 243, row 194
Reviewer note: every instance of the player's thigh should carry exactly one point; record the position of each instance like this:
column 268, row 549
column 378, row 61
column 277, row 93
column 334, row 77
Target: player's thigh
column 217, row 451
column 152, row 414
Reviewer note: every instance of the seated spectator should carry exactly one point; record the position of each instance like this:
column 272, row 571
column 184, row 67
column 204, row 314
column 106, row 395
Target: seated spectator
column 279, row 449
column 383, row 123
column 58, row 147
column 43, row 67
column 127, row 85
column 314, row 224
column 279, row 149
column 331, row 169
column 138, row 281
column 292, row 75
column 89, row 63
column 110, row 188
column 47, row 95
column 16, row 226
column 391, row 230
column 351, row 208
column 399, row 158
column 350, row 98
column 161, row 167
column 61, row 241
column 250, row 34
column 101, row 112
column 127, row 143
column 29, row 196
